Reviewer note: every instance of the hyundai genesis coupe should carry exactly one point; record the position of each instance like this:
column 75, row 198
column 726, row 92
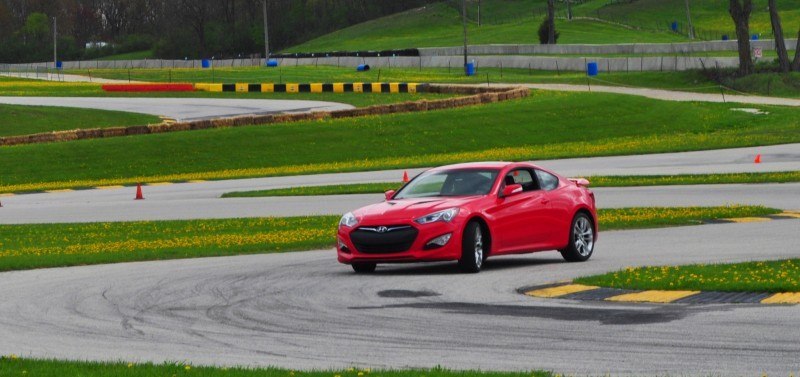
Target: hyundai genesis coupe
column 469, row 212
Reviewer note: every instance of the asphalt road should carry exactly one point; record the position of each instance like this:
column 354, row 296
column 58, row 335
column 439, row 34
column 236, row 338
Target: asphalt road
column 303, row 310
column 182, row 109
column 201, row 200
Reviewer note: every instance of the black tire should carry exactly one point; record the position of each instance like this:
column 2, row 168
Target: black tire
column 364, row 268
column 581, row 239
column 473, row 252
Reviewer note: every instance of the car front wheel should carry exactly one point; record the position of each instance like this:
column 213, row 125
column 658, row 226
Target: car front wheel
column 581, row 239
column 472, row 248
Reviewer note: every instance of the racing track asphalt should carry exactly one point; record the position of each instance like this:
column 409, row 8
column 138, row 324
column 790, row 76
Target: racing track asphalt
column 303, row 310
column 201, row 200
column 182, row 109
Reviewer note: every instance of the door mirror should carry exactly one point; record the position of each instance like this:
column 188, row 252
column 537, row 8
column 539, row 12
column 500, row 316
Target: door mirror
column 389, row 194
column 511, row 190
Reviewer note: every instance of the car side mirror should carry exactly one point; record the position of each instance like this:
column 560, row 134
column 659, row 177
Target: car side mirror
column 389, row 194
column 511, row 190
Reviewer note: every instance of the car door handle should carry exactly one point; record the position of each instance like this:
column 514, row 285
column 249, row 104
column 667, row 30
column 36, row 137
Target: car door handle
column 545, row 200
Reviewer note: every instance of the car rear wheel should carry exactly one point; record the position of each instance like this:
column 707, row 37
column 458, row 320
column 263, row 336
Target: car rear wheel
column 581, row 239
column 472, row 248
column 364, row 268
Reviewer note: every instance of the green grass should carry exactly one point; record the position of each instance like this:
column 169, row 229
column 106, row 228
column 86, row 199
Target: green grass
column 347, row 189
column 711, row 15
column 439, row 25
column 52, row 245
column 596, row 181
column 772, row 276
column 695, row 179
column 513, row 21
column 55, row 245
column 23, row 120
column 136, row 55
column 533, row 128
column 37, row 88
column 14, row 366
column 695, row 81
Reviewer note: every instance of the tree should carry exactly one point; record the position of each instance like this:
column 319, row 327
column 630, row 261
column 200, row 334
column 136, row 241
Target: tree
column 37, row 27
column 740, row 12
column 551, row 22
column 777, row 31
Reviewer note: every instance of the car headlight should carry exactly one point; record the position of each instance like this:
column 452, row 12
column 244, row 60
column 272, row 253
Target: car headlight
column 349, row 220
column 445, row 216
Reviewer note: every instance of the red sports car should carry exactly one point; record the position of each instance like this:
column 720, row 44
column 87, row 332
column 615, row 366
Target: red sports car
column 468, row 212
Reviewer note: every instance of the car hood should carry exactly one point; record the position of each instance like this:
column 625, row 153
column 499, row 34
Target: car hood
column 408, row 209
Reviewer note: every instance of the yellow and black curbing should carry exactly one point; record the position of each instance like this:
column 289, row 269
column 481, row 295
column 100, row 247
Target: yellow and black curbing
column 570, row 291
column 354, row 87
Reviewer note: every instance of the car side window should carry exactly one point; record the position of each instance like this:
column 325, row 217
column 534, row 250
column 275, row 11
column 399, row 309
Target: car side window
column 522, row 177
column 547, row 180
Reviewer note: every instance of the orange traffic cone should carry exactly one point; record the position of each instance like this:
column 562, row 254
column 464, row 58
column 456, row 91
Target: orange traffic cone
column 758, row 159
column 139, row 195
column 405, row 177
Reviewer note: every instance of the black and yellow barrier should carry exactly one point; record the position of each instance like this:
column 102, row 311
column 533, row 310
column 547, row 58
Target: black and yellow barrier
column 355, row 87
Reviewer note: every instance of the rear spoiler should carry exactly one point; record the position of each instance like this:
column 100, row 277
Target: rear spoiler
column 582, row 182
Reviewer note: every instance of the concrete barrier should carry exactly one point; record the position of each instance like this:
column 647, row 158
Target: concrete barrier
column 497, row 55
column 623, row 48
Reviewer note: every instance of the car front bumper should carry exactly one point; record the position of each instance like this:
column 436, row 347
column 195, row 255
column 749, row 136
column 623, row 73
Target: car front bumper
column 349, row 253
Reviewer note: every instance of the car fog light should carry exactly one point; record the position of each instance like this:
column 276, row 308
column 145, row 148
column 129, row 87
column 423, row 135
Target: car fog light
column 438, row 241
column 343, row 247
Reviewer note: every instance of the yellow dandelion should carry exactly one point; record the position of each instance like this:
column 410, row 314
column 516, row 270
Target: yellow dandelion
column 188, row 367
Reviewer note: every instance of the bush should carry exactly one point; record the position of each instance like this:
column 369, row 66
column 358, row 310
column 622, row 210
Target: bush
column 544, row 31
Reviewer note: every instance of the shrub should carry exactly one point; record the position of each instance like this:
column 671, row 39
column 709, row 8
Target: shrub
column 544, row 30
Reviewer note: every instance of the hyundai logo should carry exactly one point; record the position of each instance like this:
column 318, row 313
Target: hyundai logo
column 382, row 229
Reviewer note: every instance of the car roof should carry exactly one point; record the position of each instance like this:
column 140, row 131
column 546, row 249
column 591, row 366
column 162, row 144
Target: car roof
column 482, row 165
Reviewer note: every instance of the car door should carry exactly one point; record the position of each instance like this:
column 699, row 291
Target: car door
column 556, row 216
column 518, row 219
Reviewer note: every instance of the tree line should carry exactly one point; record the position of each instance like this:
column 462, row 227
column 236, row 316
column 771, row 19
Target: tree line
column 173, row 29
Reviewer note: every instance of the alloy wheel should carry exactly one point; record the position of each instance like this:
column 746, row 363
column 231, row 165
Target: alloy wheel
column 478, row 247
column 583, row 234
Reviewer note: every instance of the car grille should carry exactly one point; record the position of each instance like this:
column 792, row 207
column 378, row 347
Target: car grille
column 384, row 239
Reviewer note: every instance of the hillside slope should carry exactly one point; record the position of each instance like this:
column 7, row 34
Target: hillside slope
column 516, row 21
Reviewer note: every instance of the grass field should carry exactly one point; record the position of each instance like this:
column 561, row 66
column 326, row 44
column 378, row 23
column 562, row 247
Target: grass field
column 694, row 81
column 53, row 245
column 439, row 25
column 516, row 21
column 596, row 181
column 772, row 276
column 711, row 15
column 37, row 88
column 13, row 365
column 533, row 128
column 23, row 120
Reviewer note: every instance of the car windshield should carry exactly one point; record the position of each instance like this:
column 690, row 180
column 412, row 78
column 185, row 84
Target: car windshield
column 456, row 182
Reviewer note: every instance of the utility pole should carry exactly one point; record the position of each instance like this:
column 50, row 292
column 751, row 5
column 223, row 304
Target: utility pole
column 55, row 43
column 266, row 35
column 464, row 21
column 689, row 19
